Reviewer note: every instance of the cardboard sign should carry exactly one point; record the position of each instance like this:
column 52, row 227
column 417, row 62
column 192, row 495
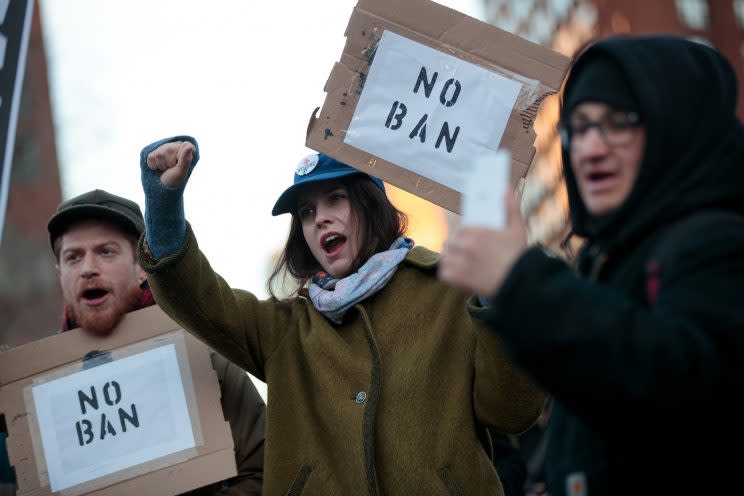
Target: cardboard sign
column 422, row 92
column 15, row 28
column 429, row 112
column 113, row 417
column 137, row 412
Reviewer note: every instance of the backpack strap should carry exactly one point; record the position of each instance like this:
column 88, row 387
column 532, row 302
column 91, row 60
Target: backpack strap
column 665, row 251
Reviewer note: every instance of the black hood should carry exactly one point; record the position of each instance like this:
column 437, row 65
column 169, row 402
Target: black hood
column 694, row 156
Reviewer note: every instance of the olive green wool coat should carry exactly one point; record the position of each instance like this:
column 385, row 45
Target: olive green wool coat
column 387, row 403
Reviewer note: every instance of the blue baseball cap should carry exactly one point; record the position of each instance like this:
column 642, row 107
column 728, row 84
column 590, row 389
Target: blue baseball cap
column 311, row 169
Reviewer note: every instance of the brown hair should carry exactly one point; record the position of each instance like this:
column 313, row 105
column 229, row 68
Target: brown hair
column 380, row 223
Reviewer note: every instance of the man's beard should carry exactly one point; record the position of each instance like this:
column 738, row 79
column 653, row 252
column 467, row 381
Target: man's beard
column 102, row 322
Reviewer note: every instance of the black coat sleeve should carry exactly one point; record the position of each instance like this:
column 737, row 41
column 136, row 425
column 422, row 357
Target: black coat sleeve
column 614, row 362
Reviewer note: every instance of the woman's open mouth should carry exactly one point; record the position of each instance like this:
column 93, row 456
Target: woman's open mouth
column 332, row 243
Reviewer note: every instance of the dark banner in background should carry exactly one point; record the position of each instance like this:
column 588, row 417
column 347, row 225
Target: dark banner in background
column 15, row 27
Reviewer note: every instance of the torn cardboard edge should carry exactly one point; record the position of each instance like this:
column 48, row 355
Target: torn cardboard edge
column 211, row 461
column 178, row 340
column 540, row 71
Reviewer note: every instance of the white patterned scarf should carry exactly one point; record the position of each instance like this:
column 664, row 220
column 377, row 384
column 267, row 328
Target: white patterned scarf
column 333, row 297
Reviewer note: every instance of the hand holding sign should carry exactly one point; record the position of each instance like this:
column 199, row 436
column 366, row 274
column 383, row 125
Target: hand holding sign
column 173, row 160
column 478, row 259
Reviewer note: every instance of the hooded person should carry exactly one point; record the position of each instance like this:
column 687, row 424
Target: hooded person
column 643, row 350
column 94, row 238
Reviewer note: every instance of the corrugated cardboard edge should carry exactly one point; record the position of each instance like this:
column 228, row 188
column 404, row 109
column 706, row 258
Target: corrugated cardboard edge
column 447, row 30
column 19, row 366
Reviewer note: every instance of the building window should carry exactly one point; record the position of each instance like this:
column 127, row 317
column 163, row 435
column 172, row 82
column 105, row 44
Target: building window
column 693, row 13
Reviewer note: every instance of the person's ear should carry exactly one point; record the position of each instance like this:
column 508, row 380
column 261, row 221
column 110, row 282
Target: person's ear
column 141, row 274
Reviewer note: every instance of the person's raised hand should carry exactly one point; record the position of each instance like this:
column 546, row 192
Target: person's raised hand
column 478, row 259
column 172, row 160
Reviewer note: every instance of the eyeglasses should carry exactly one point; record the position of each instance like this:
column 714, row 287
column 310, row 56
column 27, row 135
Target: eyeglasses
column 615, row 128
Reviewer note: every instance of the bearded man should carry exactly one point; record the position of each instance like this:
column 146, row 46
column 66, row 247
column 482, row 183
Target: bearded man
column 94, row 237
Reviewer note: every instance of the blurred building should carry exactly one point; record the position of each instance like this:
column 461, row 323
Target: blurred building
column 565, row 25
column 30, row 299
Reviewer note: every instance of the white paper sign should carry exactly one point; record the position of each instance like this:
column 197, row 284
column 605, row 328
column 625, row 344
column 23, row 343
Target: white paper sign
column 113, row 416
column 430, row 112
column 485, row 187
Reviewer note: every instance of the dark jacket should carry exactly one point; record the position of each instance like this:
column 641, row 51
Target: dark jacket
column 387, row 402
column 646, row 396
column 509, row 463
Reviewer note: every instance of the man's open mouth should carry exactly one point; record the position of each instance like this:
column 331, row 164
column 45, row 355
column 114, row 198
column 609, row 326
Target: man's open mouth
column 93, row 295
column 599, row 176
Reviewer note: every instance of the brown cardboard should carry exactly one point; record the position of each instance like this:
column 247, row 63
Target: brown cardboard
column 19, row 367
column 449, row 31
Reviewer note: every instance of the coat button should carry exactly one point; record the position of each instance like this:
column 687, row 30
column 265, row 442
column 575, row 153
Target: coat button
column 361, row 397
